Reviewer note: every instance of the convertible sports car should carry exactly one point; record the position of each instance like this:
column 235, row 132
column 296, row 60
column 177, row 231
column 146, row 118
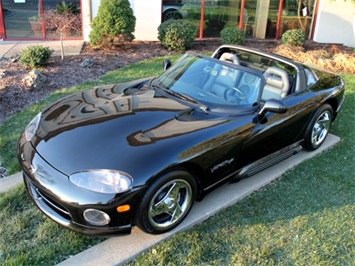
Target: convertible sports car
column 141, row 152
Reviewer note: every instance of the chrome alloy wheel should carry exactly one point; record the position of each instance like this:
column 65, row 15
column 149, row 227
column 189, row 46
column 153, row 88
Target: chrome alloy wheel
column 321, row 128
column 170, row 204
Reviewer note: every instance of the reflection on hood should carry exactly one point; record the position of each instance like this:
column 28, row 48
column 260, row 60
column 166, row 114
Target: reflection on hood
column 98, row 105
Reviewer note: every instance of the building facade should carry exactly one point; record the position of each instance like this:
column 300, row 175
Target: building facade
column 328, row 21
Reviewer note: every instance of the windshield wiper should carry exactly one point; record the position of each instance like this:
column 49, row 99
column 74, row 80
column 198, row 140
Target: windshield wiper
column 182, row 96
column 186, row 97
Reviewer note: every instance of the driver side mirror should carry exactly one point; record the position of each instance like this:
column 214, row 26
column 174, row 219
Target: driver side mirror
column 166, row 64
column 273, row 106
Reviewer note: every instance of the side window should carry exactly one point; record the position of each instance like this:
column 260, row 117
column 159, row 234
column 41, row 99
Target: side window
column 311, row 77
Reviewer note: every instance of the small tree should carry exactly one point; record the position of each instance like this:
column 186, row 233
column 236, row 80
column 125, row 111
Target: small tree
column 62, row 23
column 114, row 22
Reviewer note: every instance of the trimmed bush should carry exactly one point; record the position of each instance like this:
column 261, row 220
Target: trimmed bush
column 232, row 35
column 295, row 37
column 35, row 55
column 176, row 34
column 114, row 22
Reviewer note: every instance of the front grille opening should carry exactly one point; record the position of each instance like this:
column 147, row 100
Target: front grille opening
column 54, row 205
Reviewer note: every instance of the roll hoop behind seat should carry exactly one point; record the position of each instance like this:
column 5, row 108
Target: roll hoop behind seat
column 229, row 57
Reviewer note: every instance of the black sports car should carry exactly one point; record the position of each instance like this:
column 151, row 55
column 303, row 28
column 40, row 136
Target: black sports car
column 140, row 153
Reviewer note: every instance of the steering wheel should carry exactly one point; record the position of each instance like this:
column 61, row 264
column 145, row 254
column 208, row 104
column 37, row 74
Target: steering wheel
column 232, row 92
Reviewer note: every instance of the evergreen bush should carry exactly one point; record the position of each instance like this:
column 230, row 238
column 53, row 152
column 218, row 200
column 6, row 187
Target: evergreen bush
column 295, row 37
column 176, row 34
column 114, row 22
column 232, row 35
column 35, row 55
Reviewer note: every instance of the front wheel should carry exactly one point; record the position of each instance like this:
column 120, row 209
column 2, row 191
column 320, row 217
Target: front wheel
column 318, row 129
column 171, row 15
column 167, row 202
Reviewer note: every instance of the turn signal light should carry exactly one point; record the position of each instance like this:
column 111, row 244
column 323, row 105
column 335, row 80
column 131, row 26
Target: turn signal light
column 123, row 208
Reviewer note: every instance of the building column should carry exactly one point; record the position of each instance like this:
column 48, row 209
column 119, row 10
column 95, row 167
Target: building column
column 262, row 11
column 86, row 18
column 148, row 18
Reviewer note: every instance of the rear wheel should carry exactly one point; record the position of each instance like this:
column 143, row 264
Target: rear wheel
column 167, row 202
column 318, row 129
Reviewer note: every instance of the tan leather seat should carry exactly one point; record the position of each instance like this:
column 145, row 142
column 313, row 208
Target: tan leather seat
column 276, row 84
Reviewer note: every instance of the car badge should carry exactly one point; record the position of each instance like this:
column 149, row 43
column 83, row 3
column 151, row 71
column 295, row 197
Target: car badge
column 222, row 164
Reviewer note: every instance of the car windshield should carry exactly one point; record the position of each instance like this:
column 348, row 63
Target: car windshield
column 211, row 83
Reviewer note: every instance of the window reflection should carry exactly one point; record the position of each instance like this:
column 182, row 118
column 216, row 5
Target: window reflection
column 24, row 19
column 260, row 17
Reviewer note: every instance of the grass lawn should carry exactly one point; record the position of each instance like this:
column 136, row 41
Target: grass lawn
column 306, row 217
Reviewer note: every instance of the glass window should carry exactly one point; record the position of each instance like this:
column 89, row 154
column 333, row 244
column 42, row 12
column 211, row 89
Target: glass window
column 311, row 77
column 70, row 8
column 297, row 14
column 218, row 14
column 24, row 19
column 171, row 9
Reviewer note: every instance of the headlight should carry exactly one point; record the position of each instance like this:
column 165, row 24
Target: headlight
column 102, row 181
column 31, row 128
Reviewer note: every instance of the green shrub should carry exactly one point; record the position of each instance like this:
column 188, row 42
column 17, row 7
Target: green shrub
column 176, row 34
column 232, row 35
column 35, row 56
column 295, row 37
column 114, row 22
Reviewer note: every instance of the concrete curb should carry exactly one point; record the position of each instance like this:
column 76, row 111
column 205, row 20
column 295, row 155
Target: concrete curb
column 9, row 182
column 120, row 250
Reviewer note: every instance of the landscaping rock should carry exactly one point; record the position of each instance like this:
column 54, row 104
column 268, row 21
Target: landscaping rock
column 87, row 63
column 14, row 57
column 34, row 79
column 3, row 73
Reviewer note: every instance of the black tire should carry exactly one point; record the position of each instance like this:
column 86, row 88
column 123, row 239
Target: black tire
column 166, row 203
column 318, row 129
column 171, row 15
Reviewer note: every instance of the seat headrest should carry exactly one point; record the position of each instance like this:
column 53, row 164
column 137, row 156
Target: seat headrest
column 277, row 77
column 229, row 57
column 274, row 81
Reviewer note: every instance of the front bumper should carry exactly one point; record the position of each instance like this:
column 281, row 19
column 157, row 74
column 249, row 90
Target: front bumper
column 65, row 203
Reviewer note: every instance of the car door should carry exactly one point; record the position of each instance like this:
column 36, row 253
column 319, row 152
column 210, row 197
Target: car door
column 276, row 131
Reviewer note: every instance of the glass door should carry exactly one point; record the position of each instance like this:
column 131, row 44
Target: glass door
column 22, row 18
column 59, row 14
column 297, row 14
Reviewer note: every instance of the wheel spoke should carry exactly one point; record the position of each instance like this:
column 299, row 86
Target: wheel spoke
column 170, row 203
column 177, row 213
column 167, row 203
column 320, row 129
column 324, row 123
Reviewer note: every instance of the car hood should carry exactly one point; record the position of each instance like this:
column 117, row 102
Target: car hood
column 105, row 128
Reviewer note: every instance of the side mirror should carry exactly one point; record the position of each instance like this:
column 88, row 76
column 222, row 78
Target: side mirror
column 274, row 106
column 166, row 64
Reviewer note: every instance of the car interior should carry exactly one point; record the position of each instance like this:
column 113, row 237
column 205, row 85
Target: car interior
column 279, row 77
